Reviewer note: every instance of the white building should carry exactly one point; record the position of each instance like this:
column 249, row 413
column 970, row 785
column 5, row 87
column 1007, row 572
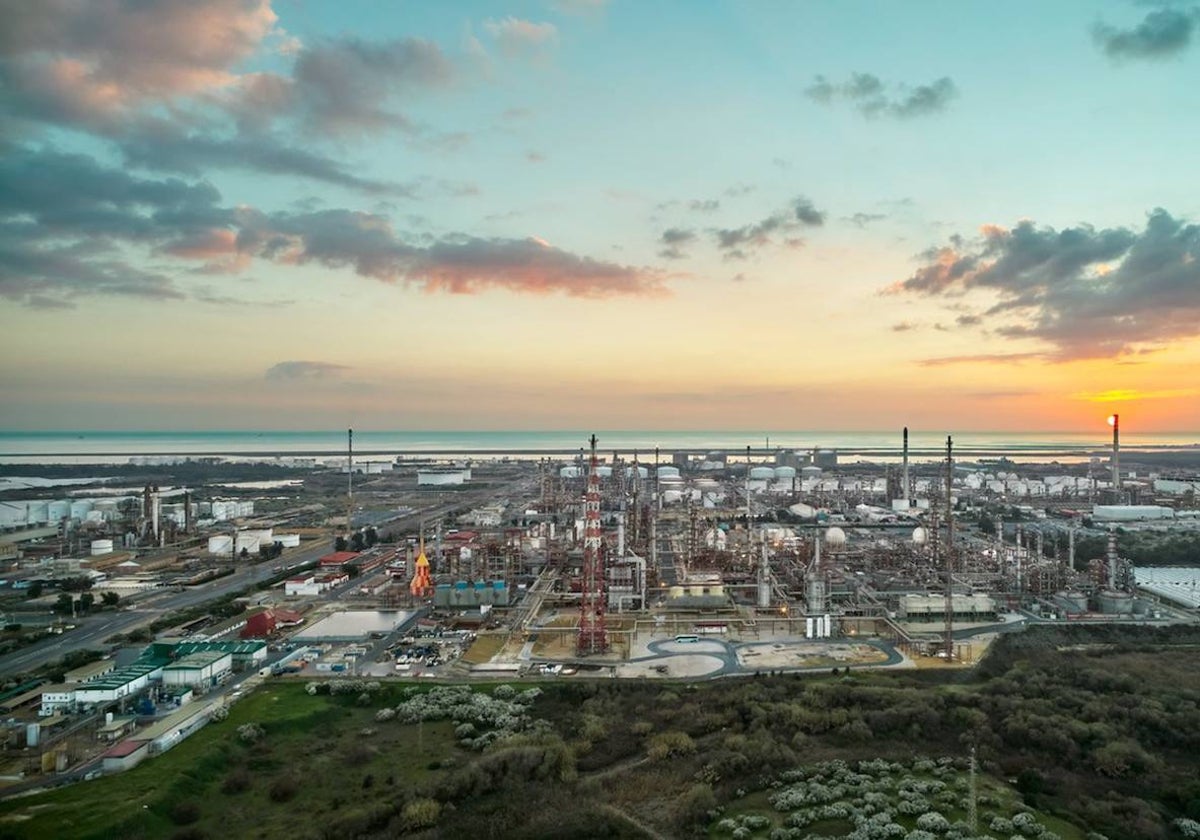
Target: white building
column 443, row 476
column 204, row 668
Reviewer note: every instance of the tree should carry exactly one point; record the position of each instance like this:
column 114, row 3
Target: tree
column 63, row 604
column 34, row 591
column 110, row 599
column 85, row 601
column 357, row 543
column 372, row 536
column 339, row 544
column 245, row 555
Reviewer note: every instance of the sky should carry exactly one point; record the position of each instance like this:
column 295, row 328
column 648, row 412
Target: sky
column 291, row 214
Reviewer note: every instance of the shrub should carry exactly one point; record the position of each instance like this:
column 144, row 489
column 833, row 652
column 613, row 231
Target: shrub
column 185, row 813
column 421, row 813
column 236, row 782
column 283, row 789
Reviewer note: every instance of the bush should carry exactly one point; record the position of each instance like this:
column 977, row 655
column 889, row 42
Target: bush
column 185, row 813
column 236, row 782
column 421, row 813
column 283, row 789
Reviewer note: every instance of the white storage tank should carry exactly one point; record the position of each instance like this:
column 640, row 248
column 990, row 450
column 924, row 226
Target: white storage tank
column 247, row 541
column 835, row 537
column 569, row 472
column 220, row 544
column 96, row 516
column 667, row 472
column 785, row 473
column 81, row 508
column 57, row 510
column 289, row 540
column 918, row 536
column 101, row 547
column 604, row 472
column 37, row 512
column 761, row 473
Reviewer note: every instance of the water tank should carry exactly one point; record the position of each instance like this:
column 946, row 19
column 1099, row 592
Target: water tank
column 785, row 473
column 247, row 542
column 639, row 471
column 1115, row 603
column 675, row 592
column 835, row 537
column 668, row 472
column 1073, row 602
column 37, row 512
column 762, row 473
column 101, row 547
column 919, row 536
column 33, row 734
column 220, row 544
column 670, row 497
column 80, row 508
column 58, row 510
column 289, row 540
column 569, row 472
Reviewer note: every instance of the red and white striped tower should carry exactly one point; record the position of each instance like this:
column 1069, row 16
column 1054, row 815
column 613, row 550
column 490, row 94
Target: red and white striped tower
column 593, row 634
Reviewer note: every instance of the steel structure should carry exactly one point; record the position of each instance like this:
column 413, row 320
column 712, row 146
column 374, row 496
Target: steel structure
column 593, row 632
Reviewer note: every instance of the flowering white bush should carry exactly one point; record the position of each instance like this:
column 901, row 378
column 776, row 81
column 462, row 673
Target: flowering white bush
column 1026, row 824
column 933, row 821
column 385, row 714
column 1001, row 825
column 1188, row 828
column 504, row 692
column 219, row 714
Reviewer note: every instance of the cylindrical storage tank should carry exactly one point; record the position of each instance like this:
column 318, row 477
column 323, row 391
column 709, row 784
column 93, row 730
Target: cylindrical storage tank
column 101, row 547
column 764, row 596
column 1115, row 603
column 33, row 733
column 808, row 628
column 785, row 472
column 604, row 472
column 80, row 508
column 58, row 510
column 1074, row 602
column 670, row 497
column 37, row 512
column 762, row 472
column 569, row 472
column 289, row 540
column 675, row 592
column 717, row 589
column 668, row 472
column 828, row 628
column 918, row 536
column 220, row 544
column 247, row 542
column 639, row 471
column 696, row 591
column 835, row 537
column 96, row 516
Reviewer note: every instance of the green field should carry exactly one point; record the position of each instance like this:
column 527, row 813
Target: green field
column 1089, row 733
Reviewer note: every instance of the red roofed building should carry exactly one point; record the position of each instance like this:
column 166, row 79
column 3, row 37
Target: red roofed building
column 268, row 621
column 337, row 560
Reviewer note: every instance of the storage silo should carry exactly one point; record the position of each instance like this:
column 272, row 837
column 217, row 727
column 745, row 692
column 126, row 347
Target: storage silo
column 80, row 508
column 99, row 547
column 58, row 509
column 37, row 512
column 247, row 541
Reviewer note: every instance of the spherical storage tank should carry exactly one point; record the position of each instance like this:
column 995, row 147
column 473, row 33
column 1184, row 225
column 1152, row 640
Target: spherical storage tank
column 220, row 544
column 101, row 547
column 835, row 537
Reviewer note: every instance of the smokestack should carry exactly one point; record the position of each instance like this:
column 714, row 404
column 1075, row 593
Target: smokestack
column 1116, row 457
column 904, row 492
column 187, row 512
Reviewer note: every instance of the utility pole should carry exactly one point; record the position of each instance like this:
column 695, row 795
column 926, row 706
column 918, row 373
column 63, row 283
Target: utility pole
column 948, row 641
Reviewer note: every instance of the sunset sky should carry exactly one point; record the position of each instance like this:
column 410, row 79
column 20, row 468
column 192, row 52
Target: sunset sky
column 297, row 214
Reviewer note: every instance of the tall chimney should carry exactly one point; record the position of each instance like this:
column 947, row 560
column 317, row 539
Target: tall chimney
column 1116, row 457
column 904, row 491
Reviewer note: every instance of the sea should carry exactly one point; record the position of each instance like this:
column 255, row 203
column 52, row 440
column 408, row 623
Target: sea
column 118, row 447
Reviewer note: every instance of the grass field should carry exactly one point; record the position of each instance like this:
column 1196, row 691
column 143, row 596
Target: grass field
column 316, row 751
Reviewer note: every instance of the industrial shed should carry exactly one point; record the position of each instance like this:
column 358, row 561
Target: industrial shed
column 201, row 668
column 933, row 607
column 125, row 755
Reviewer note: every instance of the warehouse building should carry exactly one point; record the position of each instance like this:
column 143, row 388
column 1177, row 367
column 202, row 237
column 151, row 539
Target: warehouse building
column 205, row 668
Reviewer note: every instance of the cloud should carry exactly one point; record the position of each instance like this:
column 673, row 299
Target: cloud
column 534, row 156
column 1087, row 293
column 100, row 58
column 904, row 326
column 871, row 97
column 738, row 242
column 1161, row 34
column 861, row 220
column 66, row 221
column 981, row 358
column 303, row 370
column 343, row 85
column 1132, row 394
column 710, row 205
column 458, row 264
column 517, row 37
column 578, row 7
column 674, row 239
